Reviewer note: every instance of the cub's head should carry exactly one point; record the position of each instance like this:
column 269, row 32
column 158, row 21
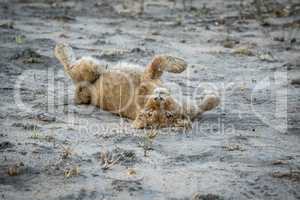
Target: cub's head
column 160, row 110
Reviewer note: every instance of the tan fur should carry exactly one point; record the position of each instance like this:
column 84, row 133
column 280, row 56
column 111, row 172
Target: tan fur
column 131, row 92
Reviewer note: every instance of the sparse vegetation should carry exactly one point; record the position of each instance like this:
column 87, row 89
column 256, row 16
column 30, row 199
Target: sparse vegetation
column 35, row 134
column 20, row 39
column 148, row 141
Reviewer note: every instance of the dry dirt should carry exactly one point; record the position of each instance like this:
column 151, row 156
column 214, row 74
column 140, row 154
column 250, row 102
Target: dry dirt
column 247, row 148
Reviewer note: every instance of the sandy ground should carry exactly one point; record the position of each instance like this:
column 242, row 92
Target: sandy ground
column 247, row 148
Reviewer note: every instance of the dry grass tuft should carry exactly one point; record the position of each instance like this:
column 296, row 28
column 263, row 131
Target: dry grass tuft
column 148, row 141
column 66, row 153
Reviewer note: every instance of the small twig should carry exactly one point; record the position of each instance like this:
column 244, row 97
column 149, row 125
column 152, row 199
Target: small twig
column 108, row 161
column 148, row 140
column 108, row 165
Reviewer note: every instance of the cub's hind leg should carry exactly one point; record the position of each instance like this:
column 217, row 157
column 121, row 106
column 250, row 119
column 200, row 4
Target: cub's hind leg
column 83, row 69
column 162, row 63
column 86, row 69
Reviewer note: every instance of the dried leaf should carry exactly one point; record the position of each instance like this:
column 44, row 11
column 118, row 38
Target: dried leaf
column 74, row 171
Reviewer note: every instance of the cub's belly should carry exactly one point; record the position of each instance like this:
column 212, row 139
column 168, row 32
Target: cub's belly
column 116, row 92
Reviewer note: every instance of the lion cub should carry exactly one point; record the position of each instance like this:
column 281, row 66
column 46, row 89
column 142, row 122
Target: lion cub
column 131, row 92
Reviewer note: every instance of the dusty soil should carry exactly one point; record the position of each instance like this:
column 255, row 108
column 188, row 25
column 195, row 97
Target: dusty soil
column 248, row 148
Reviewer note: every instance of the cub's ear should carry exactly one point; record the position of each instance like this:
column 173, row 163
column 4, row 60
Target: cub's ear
column 142, row 90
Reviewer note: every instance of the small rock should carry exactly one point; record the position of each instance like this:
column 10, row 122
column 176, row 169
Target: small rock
column 62, row 35
column 265, row 24
column 279, row 162
column 6, row 145
column 293, row 175
column 198, row 196
column 155, row 33
column 136, row 50
column 23, row 153
column 295, row 81
column 100, row 42
column 150, row 39
column 64, row 18
column 228, row 44
column 46, row 117
column 279, row 39
column 293, row 40
column 7, row 25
